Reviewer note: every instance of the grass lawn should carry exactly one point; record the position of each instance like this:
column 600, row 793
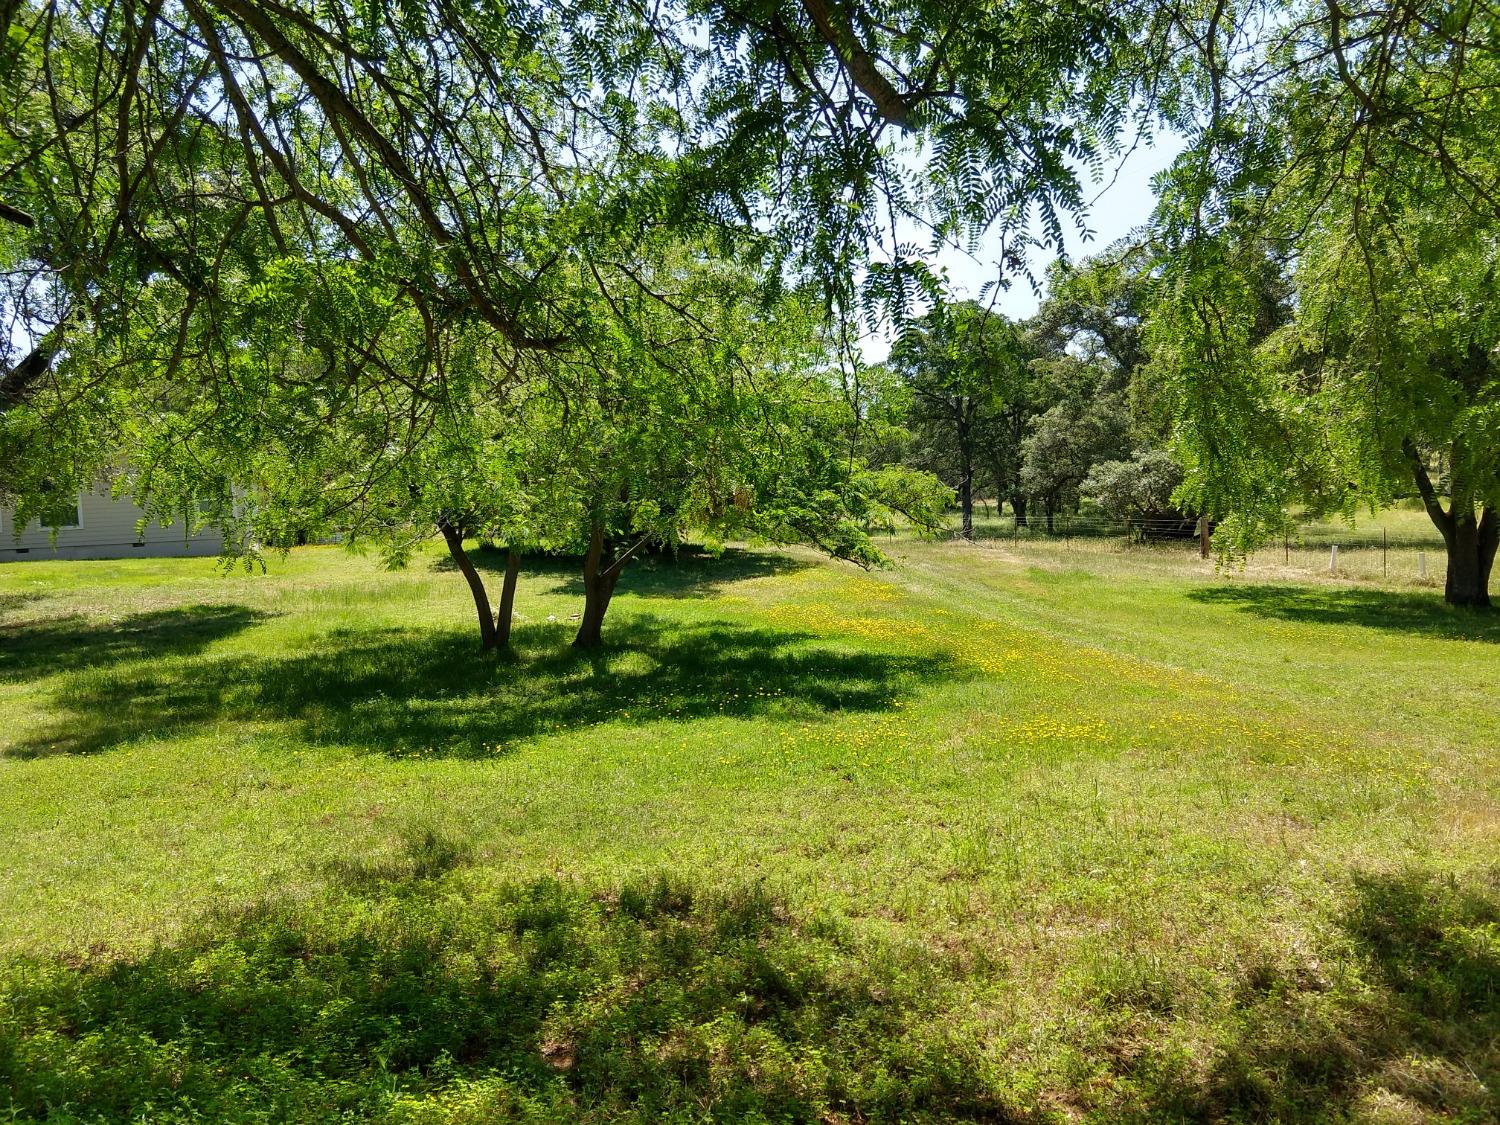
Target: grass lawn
column 1032, row 833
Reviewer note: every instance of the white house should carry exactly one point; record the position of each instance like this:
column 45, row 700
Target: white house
column 101, row 527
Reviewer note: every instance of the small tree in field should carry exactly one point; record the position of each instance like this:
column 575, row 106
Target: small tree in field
column 703, row 410
column 1087, row 423
column 1138, row 489
column 963, row 368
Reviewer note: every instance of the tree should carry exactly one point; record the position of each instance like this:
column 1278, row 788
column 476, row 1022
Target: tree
column 161, row 156
column 1085, row 425
column 1138, row 490
column 1097, row 309
column 960, row 367
column 702, row 410
column 693, row 405
column 1402, row 353
column 1361, row 175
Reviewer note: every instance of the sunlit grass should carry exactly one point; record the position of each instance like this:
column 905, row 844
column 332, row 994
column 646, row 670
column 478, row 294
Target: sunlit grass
column 994, row 833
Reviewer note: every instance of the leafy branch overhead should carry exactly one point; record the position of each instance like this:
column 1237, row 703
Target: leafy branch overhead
column 1327, row 327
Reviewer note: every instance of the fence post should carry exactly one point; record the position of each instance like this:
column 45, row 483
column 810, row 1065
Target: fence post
column 1422, row 564
column 1333, row 559
column 1385, row 546
column 1203, row 537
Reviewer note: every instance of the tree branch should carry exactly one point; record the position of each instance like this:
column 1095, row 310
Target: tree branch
column 859, row 64
column 1441, row 519
column 16, row 215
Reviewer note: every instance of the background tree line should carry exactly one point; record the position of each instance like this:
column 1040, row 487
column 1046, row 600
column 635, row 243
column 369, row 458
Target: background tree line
column 1039, row 415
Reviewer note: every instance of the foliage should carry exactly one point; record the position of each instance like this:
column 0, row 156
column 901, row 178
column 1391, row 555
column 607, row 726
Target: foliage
column 1086, row 424
column 1097, row 309
column 490, row 168
column 692, row 406
column 1354, row 168
column 961, row 369
column 1138, row 489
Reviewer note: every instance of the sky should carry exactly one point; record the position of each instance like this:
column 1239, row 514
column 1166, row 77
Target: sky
column 1122, row 200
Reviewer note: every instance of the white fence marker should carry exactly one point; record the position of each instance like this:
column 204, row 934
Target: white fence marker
column 1333, row 559
column 1421, row 564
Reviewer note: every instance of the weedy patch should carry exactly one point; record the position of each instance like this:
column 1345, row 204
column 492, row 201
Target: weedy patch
column 541, row 1000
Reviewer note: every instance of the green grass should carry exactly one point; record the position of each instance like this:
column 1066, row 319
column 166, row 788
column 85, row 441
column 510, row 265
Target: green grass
column 999, row 834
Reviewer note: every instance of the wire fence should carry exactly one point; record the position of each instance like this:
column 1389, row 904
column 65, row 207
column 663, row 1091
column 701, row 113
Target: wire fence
column 1397, row 551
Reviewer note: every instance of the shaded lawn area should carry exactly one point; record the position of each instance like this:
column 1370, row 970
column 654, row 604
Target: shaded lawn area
column 539, row 1002
column 403, row 691
column 1416, row 614
column 953, row 842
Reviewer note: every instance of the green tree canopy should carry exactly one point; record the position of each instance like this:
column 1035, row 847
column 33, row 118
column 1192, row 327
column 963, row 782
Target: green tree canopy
column 1349, row 164
column 962, row 368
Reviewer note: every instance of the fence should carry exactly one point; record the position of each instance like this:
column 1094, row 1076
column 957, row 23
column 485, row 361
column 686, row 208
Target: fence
column 1403, row 549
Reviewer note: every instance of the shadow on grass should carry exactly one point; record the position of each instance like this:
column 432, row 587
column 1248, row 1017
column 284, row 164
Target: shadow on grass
column 1412, row 1035
column 537, row 1002
column 407, row 692
column 44, row 648
column 412, row 999
column 1420, row 614
column 690, row 573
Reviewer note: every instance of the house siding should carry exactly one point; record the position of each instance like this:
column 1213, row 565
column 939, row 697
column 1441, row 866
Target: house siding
column 106, row 530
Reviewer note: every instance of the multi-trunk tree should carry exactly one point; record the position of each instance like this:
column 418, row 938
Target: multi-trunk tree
column 692, row 406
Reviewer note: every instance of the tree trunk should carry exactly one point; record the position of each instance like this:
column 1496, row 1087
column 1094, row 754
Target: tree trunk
column 966, row 481
column 1471, row 542
column 596, row 595
column 599, row 577
column 1471, row 557
column 1018, row 506
column 453, row 536
column 507, row 598
column 602, row 568
column 1051, row 530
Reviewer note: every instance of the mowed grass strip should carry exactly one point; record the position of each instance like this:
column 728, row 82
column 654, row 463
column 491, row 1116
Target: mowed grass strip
column 991, row 835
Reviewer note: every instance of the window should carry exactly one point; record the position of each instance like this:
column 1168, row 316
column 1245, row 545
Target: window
column 62, row 515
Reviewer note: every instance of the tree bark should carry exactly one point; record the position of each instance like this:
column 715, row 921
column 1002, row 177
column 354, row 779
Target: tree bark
column 601, row 571
column 1471, row 542
column 858, row 63
column 1018, row 507
column 16, row 383
column 598, row 587
column 453, row 536
column 966, row 501
column 966, row 473
column 596, row 595
column 1471, row 557
column 1489, row 546
column 1051, row 529
column 507, row 598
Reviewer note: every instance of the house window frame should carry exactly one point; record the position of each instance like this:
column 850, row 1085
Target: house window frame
column 45, row 524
